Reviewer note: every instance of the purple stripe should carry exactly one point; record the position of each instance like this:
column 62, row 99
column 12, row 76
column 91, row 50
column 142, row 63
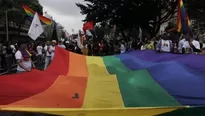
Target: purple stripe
column 185, row 84
column 195, row 62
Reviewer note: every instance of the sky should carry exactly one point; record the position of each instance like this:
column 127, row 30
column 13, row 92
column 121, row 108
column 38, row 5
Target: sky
column 64, row 12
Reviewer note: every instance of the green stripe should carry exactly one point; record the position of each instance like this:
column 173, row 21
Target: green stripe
column 138, row 89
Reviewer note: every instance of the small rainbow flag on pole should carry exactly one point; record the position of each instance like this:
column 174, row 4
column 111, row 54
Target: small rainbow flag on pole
column 183, row 22
column 31, row 14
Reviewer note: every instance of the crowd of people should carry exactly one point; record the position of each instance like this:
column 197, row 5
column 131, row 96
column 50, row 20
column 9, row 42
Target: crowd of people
column 27, row 55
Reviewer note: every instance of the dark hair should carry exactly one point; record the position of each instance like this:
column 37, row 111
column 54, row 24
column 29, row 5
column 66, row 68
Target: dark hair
column 20, row 43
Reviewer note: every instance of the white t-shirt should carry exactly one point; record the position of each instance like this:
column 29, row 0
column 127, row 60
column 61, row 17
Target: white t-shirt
column 122, row 48
column 180, row 45
column 13, row 48
column 39, row 50
column 165, row 45
column 194, row 42
column 62, row 46
column 47, row 48
column 143, row 47
column 52, row 49
column 26, row 64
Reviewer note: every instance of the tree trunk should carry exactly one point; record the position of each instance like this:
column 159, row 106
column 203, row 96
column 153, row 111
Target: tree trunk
column 155, row 30
column 123, row 34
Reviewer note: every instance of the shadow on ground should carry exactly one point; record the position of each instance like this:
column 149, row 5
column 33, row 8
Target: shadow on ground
column 5, row 113
column 200, row 111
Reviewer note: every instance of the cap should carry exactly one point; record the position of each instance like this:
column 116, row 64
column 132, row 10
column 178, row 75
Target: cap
column 54, row 41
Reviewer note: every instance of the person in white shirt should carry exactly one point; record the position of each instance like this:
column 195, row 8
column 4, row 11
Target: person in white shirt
column 23, row 58
column 39, row 50
column 52, row 48
column 61, row 45
column 143, row 46
column 50, row 51
column 180, row 45
column 192, row 44
column 164, row 45
column 47, row 55
column 13, row 49
column 13, row 53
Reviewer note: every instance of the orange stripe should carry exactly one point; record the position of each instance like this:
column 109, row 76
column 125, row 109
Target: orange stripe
column 77, row 65
column 59, row 95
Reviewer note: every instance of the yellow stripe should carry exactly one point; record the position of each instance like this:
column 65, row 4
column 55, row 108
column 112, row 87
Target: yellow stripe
column 102, row 89
column 179, row 27
column 99, row 112
column 28, row 53
column 181, row 3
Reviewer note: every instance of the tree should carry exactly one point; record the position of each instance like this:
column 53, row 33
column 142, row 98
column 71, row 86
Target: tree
column 16, row 13
column 195, row 9
column 170, row 25
column 126, row 14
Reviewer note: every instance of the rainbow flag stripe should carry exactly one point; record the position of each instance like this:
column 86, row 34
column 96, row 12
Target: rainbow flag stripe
column 31, row 14
column 183, row 22
column 143, row 83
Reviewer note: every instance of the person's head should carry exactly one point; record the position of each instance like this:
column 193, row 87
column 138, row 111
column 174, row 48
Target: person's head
column 9, row 42
column 188, row 37
column 165, row 36
column 122, row 42
column 53, row 43
column 60, row 42
column 148, row 41
column 40, row 44
column 48, row 43
column 22, row 45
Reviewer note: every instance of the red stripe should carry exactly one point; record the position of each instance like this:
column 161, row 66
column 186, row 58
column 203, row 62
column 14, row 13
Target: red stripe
column 28, row 9
column 42, row 18
column 60, row 64
column 21, row 86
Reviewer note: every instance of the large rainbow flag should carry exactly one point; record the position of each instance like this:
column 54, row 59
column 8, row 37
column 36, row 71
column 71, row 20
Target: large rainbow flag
column 140, row 83
column 31, row 15
column 183, row 22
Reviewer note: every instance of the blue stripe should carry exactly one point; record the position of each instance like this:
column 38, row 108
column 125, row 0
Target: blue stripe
column 183, row 83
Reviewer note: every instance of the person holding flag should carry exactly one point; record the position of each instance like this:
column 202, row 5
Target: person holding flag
column 23, row 57
column 81, row 42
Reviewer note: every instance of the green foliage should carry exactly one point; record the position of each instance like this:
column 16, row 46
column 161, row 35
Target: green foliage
column 127, row 14
column 16, row 13
column 170, row 26
column 196, row 9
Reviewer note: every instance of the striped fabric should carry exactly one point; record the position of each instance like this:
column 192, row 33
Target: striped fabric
column 130, row 84
column 183, row 22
